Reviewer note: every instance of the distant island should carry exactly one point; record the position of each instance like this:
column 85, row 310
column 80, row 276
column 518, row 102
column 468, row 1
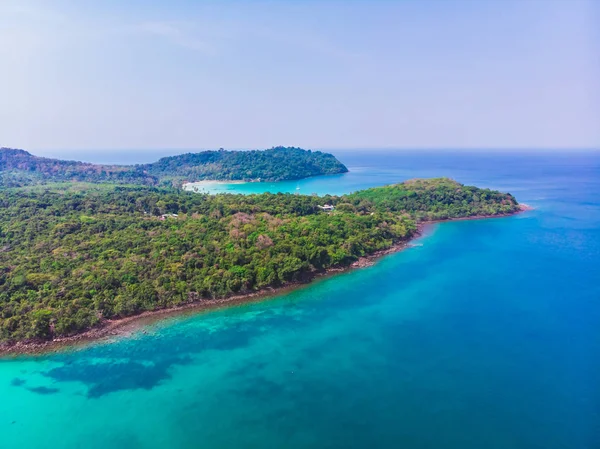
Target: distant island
column 73, row 262
column 19, row 168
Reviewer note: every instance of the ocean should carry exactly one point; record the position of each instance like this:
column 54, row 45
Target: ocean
column 483, row 334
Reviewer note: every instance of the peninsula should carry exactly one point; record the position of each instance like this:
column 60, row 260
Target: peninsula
column 71, row 261
column 19, row 168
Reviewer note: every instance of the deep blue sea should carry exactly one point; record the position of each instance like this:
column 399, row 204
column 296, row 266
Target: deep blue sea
column 484, row 334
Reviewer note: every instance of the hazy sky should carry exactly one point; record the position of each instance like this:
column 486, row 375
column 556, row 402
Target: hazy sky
column 89, row 74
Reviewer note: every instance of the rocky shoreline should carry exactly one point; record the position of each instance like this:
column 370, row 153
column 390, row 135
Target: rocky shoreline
column 109, row 329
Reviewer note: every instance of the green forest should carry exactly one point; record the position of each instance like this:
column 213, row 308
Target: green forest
column 19, row 168
column 276, row 164
column 70, row 259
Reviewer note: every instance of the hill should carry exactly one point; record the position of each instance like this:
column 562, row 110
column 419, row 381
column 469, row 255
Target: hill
column 19, row 168
column 276, row 164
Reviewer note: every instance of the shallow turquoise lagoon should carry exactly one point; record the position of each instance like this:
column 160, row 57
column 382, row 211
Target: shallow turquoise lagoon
column 484, row 334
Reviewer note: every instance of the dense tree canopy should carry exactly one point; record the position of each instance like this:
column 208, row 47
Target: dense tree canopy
column 435, row 199
column 70, row 259
column 276, row 164
column 20, row 168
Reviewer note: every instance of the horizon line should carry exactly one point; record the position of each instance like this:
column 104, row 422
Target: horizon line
column 313, row 148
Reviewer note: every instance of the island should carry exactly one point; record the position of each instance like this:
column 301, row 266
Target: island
column 72, row 262
column 20, row 168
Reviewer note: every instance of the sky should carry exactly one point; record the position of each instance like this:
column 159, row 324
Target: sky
column 145, row 74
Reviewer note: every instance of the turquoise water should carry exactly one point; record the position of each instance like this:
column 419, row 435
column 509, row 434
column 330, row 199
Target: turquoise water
column 485, row 334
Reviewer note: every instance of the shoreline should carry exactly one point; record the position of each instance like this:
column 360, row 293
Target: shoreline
column 202, row 186
column 123, row 327
column 188, row 186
